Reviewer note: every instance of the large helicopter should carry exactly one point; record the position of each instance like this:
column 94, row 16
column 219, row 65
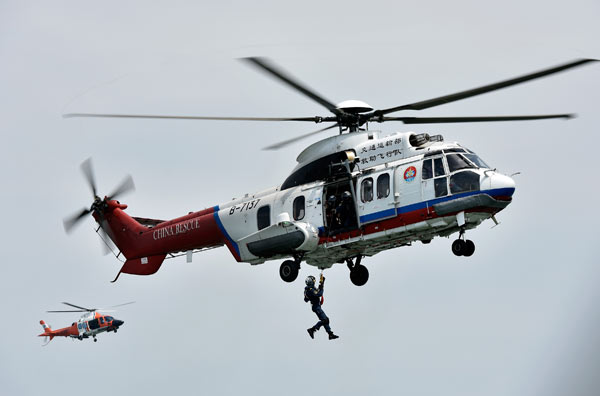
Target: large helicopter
column 350, row 196
column 90, row 324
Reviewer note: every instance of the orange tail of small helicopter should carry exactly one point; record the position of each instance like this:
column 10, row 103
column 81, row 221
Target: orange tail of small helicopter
column 47, row 334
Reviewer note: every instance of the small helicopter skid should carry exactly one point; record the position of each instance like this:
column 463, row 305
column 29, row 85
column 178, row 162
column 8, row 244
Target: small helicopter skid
column 350, row 196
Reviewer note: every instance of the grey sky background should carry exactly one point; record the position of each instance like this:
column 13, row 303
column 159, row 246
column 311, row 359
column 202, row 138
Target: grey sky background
column 519, row 317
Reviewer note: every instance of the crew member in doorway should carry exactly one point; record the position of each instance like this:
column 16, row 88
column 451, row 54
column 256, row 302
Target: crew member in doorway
column 314, row 295
column 345, row 211
column 331, row 214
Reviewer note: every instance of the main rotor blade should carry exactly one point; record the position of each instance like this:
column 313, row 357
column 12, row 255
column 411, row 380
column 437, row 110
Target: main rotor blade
column 440, row 120
column 425, row 104
column 174, row 117
column 125, row 186
column 269, row 67
column 88, row 172
column 279, row 145
column 72, row 310
column 70, row 222
column 77, row 306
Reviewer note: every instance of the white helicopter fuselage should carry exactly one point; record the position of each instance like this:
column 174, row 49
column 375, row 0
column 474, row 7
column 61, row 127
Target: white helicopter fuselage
column 404, row 187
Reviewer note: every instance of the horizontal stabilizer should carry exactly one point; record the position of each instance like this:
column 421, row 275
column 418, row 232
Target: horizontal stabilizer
column 148, row 222
column 142, row 265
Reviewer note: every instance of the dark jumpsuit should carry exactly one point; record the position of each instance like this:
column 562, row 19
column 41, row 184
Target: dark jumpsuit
column 314, row 296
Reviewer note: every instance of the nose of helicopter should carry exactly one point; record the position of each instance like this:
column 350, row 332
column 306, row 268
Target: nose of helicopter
column 502, row 185
column 117, row 322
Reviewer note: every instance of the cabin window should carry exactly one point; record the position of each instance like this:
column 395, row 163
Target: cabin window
column 458, row 162
column 441, row 186
column 109, row 318
column 383, row 186
column 263, row 217
column 101, row 320
column 366, row 190
column 299, row 207
column 464, row 181
column 427, row 173
column 438, row 167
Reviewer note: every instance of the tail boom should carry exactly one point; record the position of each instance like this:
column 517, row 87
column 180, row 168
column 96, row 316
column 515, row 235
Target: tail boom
column 145, row 248
column 70, row 331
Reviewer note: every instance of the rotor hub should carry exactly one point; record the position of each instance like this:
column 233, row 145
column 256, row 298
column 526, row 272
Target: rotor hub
column 353, row 106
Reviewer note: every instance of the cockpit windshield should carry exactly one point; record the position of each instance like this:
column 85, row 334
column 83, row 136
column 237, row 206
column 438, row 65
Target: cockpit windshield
column 474, row 158
column 457, row 162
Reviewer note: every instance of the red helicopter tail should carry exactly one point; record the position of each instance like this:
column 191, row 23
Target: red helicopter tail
column 131, row 238
column 146, row 242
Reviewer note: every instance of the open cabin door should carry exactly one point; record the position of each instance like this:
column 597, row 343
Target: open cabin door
column 339, row 207
column 375, row 196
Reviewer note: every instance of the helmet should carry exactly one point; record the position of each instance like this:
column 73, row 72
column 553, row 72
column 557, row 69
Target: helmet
column 346, row 195
column 331, row 199
column 310, row 280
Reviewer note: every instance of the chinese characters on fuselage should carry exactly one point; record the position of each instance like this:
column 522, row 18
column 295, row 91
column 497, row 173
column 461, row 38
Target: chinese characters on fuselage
column 380, row 152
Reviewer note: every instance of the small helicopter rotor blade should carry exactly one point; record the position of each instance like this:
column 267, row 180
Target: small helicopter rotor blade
column 125, row 186
column 174, row 117
column 120, row 305
column 425, row 104
column 108, row 309
column 444, row 120
column 270, row 68
column 71, row 221
column 279, row 145
column 88, row 172
column 77, row 306
column 71, row 310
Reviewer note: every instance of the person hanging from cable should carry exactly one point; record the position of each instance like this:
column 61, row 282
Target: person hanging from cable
column 315, row 296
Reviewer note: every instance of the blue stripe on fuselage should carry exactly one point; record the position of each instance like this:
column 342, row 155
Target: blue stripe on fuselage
column 224, row 231
column 422, row 205
column 378, row 215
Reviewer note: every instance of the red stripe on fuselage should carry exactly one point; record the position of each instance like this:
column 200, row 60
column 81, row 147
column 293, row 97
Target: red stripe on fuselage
column 401, row 220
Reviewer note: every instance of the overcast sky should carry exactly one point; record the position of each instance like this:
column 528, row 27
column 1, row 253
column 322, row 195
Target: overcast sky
column 519, row 317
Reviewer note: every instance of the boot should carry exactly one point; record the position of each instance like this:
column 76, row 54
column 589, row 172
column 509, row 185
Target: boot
column 333, row 336
column 311, row 332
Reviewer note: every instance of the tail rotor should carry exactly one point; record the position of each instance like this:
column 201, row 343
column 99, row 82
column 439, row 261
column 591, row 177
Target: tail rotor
column 99, row 205
column 47, row 334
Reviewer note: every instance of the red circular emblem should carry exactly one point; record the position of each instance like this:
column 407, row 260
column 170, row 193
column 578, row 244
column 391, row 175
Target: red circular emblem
column 410, row 173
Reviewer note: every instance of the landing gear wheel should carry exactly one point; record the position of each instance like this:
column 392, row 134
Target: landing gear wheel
column 289, row 270
column 459, row 247
column 115, row 330
column 469, row 248
column 95, row 340
column 359, row 275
